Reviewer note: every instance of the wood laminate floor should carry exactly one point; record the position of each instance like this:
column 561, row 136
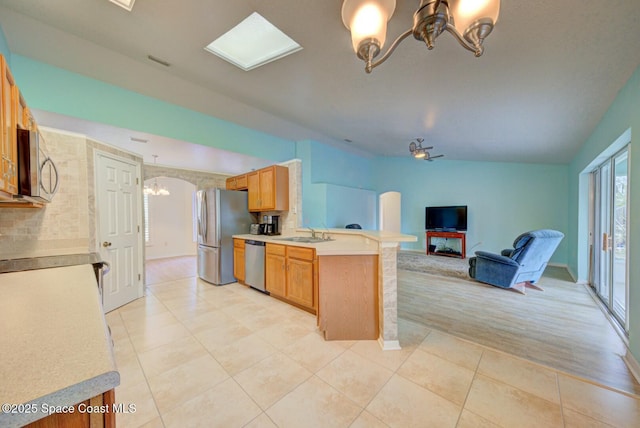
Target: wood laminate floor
column 561, row 327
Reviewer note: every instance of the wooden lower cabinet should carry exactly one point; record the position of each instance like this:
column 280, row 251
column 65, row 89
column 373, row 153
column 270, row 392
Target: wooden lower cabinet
column 82, row 417
column 238, row 260
column 348, row 297
column 275, row 277
column 290, row 274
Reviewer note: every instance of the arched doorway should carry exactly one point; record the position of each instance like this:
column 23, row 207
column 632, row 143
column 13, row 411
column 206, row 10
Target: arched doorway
column 170, row 240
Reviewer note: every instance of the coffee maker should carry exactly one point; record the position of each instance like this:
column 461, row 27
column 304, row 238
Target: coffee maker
column 272, row 225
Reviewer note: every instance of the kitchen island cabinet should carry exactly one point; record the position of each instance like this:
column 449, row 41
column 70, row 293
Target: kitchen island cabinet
column 348, row 297
column 354, row 285
column 105, row 417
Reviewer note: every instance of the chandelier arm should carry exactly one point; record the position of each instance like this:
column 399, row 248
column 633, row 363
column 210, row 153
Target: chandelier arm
column 452, row 30
column 371, row 65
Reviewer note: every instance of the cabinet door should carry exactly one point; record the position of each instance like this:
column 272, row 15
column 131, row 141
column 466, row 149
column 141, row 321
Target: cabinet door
column 238, row 264
column 20, row 108
column 267, row 189
column 274, row 275
column 253, row 187
column 8, row 148
column 230, row 183
column 300, row 282
column 241, row 182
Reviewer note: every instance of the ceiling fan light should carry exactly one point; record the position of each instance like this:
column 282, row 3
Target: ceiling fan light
column 367, row 20
column 419, row 154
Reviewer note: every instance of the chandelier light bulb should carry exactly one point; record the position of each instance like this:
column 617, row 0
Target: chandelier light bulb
column 468, row 21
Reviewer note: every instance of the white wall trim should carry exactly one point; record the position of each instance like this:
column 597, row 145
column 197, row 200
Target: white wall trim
column 389, row 345
column 632, row 364
column 566, row 267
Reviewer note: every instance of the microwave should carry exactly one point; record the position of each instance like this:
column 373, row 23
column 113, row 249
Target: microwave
column 37, row 173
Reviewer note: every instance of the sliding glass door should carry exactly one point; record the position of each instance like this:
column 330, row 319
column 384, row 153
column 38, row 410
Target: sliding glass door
column 610, row 256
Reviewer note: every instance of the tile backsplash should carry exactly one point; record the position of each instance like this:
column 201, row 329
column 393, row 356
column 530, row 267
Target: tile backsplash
column 62, row 226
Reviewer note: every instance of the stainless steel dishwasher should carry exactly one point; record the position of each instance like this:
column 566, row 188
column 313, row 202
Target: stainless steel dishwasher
column 254, row 264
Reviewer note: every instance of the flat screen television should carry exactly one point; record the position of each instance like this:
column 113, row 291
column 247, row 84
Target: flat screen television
column 446, row 218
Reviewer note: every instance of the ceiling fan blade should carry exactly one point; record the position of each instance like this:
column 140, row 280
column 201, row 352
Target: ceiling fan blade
column 428, row 148
column 436, row 156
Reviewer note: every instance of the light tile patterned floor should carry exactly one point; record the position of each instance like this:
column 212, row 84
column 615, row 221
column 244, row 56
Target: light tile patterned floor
column 192, row 354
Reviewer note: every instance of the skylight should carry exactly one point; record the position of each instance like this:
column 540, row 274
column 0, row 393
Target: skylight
column 252, row 43
column 125, row 4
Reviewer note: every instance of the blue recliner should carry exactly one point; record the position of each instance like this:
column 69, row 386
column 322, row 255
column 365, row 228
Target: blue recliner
column 519, row 267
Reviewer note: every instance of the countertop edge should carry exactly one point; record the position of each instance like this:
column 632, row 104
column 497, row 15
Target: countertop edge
column 71, row 395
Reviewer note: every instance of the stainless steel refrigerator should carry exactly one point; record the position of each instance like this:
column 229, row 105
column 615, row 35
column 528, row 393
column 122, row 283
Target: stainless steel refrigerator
column 221, row 214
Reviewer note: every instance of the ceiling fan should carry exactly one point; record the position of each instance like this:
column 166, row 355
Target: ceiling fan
column 420, row 152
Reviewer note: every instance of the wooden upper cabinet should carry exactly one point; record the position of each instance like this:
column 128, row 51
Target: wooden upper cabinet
column 230, row 183
column 21, row 109
column 239, row 182
column 8, row 144
column 269, row 189
column 253, row 181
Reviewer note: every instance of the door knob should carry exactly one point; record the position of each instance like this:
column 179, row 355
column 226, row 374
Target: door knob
column 106, row 244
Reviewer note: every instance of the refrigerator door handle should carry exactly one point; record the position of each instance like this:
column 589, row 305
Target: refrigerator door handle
column 204, row 216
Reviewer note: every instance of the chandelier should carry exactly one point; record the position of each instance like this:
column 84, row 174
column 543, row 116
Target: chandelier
column 155, row 189
column 469, row 21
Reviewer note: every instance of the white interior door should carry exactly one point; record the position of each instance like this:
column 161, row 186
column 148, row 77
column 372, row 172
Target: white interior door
column 118, row 200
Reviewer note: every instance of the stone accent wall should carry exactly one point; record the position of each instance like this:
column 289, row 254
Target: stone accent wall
column 388, row 296
column 62, row 226
column 201, row 179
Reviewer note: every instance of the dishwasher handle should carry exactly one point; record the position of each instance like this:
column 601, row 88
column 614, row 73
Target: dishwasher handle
column 252, row 242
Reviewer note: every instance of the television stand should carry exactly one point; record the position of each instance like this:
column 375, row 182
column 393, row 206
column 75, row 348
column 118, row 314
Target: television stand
column 431, row 249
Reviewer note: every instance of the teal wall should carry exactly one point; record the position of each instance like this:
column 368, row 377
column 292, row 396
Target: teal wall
column 56, row 90
column 337, row 187
column 622, row 117
column 334, row 166
column 503, row 199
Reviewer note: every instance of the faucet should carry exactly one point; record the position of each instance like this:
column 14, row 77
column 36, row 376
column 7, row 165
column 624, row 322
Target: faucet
column 313, row 232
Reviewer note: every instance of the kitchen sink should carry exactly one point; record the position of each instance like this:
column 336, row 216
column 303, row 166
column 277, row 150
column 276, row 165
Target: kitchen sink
column 304, row 239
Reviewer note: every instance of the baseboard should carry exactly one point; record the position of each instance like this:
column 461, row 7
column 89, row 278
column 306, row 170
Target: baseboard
column 565, row 267
column 389, row 345
column 632, row 364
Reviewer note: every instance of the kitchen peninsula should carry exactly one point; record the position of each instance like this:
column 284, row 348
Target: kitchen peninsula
column 353, row 280
column 55, row 349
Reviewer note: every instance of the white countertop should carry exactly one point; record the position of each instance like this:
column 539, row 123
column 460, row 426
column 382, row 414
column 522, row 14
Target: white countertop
column 343, row 241
column 55, row 348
